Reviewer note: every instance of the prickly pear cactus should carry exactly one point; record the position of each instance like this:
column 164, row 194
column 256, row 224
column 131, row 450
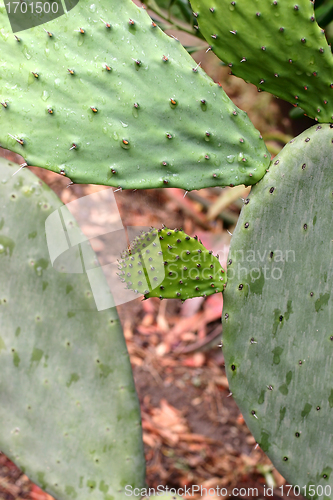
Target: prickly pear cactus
column 169, row 264
column 103, row 96
column 275, row 44
column 278, row 306
column 69, row 413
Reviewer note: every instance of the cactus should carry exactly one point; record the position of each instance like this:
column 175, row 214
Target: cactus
column 259, row 42
column 68, row 406
column 117, row 102
column 277, row 336
column 101, row 86
column 170, row 265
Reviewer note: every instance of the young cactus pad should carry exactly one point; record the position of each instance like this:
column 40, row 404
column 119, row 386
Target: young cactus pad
column 278, row 306
column 275, row 44
column 103, row 96
column 169, row 264
column 69, row 413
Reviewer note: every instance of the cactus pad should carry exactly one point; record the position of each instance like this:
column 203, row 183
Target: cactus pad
column 103, row 96
column 276, row 45
column 169, row 264
column 278, row 306
column 69, row 414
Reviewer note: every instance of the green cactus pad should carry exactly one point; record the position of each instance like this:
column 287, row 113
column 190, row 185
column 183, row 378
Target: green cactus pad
column 69, row 413
column 120, row 104
column 169, row 264
column 275, row 44
column 278, row 306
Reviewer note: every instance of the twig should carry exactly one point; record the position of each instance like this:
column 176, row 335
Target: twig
column 202, row 344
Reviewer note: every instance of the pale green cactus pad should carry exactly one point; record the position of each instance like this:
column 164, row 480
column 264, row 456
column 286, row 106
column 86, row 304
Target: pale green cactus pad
column 274, row 44
column 69, row 413
column 278, row 307
column 169, row 264
column 103, row 96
